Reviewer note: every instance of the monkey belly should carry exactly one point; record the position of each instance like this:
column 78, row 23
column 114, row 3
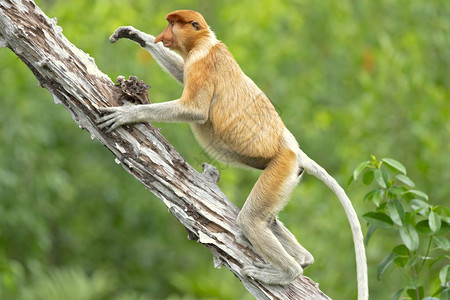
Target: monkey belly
column 223, row 151
column 243, row 119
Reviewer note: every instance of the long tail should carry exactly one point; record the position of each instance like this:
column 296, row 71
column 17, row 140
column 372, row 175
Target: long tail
column 311, row 167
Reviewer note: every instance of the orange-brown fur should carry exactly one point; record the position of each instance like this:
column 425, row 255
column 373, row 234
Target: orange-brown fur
column 240, row 125
column 252, row 128
column 235, row 122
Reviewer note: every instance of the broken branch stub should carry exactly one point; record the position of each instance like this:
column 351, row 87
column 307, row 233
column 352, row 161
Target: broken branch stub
column 131, row 90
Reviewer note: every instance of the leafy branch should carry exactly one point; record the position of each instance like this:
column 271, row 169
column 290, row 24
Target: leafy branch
column 421, row 226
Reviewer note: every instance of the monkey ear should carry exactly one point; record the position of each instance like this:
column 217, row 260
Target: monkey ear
column 195, row 25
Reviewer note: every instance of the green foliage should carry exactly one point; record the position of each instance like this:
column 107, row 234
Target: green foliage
column 348, row 78
column 65, row 283
column 421, row 226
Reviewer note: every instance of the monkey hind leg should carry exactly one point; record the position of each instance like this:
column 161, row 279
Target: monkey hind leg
column 291, row 245
column 269, row 195
column 282, row 269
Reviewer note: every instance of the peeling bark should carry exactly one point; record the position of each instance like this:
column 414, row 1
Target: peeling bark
column 75, row 81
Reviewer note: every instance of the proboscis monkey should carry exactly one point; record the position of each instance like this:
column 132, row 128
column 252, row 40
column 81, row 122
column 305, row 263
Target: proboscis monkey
column 235, row 122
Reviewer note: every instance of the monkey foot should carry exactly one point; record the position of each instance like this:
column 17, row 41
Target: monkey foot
column 305, row 259
column 269, row 274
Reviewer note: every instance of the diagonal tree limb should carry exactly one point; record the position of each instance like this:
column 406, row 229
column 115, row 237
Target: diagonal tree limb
column 74, row 80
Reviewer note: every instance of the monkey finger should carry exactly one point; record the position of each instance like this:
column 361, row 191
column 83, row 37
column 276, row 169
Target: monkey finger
column 110, row 119
column 253, row 272
column 104, row 119
column 118, row 34
column 260, row 265
column 113, row 38
column 108, row 109
column 112, row 128
column 123, row 32
column 116, row 123
column 107, row 123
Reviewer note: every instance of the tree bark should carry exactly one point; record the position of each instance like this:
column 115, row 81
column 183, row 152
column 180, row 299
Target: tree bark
column 75, row 81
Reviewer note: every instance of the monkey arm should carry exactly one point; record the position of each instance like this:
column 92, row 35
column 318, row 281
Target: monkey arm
column 193, row 106
column 169, row 61
column 170, row 111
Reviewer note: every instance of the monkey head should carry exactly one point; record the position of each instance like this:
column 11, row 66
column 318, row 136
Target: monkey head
column 185, row 29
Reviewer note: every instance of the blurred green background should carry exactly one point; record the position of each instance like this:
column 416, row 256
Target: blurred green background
column 350, row 78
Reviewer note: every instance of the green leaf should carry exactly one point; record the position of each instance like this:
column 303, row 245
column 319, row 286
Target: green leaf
column 417, row 193
column 359, row 169
column 409, row 236
column 423, row 227
column 396, row 212
column 397, row 294
column 445, row 219
column 394, row 164
column 369, row 234
column 422, row 292
column 370, row 195
column 419, row 206
column 445, row 211
column 402, row 255
column 412, row 282
column 376, row 196
column 401, row 250
column 385, row 174
column 439, row 258
column 379, row 220
column 379, row 178
column 434, row 220
column 368, row 177
column 414, row 261
column 444, row 228
column 445, row 294
column 442, row 242
column 396, row 190
column 349, row 181
column 413, row 293
column 409, row 219
column 443, row 274
column 405, row 179
column 387, row 261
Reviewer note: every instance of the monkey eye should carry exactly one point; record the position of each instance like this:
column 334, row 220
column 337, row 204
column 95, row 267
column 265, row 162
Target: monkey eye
column 195, row 25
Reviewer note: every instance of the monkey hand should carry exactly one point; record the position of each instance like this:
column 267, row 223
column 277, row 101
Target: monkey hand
column 117, row 116
column 133, row 34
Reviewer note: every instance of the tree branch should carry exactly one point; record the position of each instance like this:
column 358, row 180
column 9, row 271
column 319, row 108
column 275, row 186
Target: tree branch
column 74, row 80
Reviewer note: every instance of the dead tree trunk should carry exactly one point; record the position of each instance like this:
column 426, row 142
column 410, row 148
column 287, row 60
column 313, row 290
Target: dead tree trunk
column 74, row 80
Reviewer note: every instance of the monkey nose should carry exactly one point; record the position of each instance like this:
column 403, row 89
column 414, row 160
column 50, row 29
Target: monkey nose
column 158, row 39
